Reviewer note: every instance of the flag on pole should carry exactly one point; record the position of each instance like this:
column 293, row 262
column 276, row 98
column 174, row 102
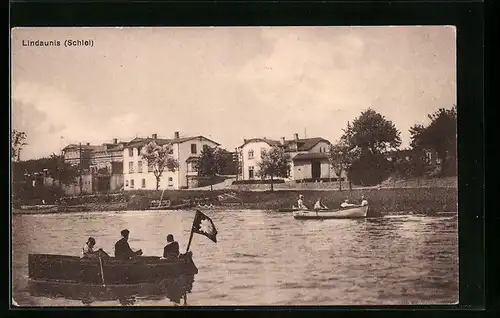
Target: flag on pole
column 203, row 225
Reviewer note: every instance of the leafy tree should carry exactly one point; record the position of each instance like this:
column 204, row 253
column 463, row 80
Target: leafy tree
column 440, row 135
column 274, row 163
column 211, row 163
column 159, row 158
column 372, row 131
column 371, row 134
column 17, row 143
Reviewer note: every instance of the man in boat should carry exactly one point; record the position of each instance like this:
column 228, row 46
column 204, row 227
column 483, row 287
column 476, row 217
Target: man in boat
column 88, row 250
column 123, row 250
column 319, row 205
column 346, row 204
column 171, row 250
column 363, row 201
column 300, row 203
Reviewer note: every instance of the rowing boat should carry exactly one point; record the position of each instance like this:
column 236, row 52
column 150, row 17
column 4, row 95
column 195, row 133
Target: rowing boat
column 106, row 271
column 345, row 213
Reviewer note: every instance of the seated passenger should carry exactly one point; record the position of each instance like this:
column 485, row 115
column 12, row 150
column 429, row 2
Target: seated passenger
column 171, row 250
column 123, row 250
column 363, row 201
column 346, row 204
column 319, row 205
column 88, row 250
column 300, row 203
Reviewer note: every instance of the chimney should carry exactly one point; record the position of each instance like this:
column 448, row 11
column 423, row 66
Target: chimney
column 176, row 135
column 282, row 140
column 154, row 136
column 115, row 141
column 296, row 136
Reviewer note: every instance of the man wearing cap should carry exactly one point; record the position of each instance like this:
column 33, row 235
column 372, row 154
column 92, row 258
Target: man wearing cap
column 171, row 250
column 123, row 250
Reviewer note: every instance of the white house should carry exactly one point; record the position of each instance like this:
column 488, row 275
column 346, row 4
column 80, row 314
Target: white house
column 309, row 158
column 137, row 175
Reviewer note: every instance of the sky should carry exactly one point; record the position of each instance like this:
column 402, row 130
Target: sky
column 227, row 83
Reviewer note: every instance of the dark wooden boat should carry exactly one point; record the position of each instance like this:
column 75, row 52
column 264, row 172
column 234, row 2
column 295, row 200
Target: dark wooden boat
column 106, row 271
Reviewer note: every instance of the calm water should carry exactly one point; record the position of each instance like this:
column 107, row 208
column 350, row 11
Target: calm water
column 266, row 258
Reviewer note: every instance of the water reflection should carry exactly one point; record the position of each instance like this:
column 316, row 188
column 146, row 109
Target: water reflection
column 174, row 289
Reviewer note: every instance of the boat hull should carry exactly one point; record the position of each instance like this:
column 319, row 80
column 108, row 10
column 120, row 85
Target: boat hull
column 72, row 269
column 349, row 213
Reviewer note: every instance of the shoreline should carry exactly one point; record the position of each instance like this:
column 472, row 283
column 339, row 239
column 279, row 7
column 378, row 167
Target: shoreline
column 418, row 200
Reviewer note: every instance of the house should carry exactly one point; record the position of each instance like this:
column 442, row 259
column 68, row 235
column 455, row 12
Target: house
column 102, row 166
column 309, row 158
column 186, row 150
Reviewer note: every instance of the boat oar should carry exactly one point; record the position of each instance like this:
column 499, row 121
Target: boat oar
column 102, row 271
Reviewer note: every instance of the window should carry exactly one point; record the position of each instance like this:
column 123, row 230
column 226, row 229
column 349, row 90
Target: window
column 139, row 167
column 250, row 154
column 143, row 183
column 250, row 173
column 131, row 167
column 132, row 183
column 191, row 167
column 139, row 150
column 131, row 152
column 126, row 183
column 170, row 181
column 193, row 149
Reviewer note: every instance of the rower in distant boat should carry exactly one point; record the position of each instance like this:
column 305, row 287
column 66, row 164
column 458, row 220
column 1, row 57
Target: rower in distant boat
column 363, row 201
column 300, row 203
column 123, row 250
column 319, row 205
column 346, row 204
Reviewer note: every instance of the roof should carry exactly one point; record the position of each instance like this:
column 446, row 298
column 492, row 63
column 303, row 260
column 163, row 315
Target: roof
column 304, row 144
column 138, row 142
column 311, row 155
column 97, row 148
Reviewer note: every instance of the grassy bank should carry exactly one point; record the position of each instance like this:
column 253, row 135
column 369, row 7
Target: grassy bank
column 421, row 200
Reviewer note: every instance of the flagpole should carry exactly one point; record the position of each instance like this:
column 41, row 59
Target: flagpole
column 191, row 235
column 190, row 238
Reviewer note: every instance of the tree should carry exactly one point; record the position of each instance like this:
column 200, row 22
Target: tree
column 17, row 143
column 372, row 131
column 211, row 163
column 371, row 134
column 159, row 158
column 274, row 163
column 440, row 135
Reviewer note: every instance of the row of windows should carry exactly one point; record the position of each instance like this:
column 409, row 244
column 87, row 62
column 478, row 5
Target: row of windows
column 131, row 183
column 194, row 150
column 251, row 153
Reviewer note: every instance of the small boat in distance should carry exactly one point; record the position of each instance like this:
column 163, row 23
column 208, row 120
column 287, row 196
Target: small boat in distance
column 344, row 213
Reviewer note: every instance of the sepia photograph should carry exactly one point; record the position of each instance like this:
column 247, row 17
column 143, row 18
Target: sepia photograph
column 234, row 166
